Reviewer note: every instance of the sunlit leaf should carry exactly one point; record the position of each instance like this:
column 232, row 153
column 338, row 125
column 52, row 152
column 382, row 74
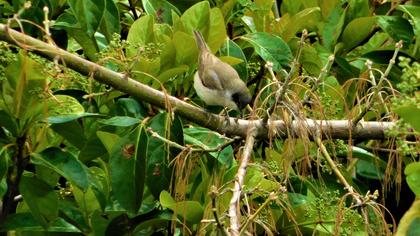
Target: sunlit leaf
column 271, row 48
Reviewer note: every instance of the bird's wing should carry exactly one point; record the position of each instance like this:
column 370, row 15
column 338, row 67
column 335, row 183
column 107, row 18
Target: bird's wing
column 211, row 79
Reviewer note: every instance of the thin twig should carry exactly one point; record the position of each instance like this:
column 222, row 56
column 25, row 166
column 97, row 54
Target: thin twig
column 322, row 75
column 250, row 218
column 234, row 206
column 213, row 195
column 336, row 171
column 384, row 76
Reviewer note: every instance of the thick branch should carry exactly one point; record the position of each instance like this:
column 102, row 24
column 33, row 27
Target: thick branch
column 338, row 129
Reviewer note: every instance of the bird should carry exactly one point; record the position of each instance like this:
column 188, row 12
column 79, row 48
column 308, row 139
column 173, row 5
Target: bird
column 216, row 82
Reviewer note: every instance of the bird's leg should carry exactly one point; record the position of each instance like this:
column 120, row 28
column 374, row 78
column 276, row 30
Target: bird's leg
column 225, row 114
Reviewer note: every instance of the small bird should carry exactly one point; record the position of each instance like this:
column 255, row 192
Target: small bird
column 216, row 82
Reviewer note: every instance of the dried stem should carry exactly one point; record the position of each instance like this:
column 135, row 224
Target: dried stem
column 377, row 88
column 234, row 206
column 336, row 171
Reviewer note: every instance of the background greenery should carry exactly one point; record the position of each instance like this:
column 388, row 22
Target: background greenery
column 78, row 157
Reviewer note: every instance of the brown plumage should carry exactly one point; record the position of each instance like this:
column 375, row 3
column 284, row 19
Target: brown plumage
column 216, row 82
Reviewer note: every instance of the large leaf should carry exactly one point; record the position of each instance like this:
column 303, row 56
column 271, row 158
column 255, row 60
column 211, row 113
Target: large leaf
column 412, row 172
column 197, row 18
column 271, row 48
column 230, row 48
column 159, row 154
column 333, row 27
column 65, row 164
column 305, row 19
column 160, row 9
column 128, row 169
column 186, row 51
column 217, row 30
column 397, row 27
column 192, row 211
column 357, row 31
column 40, row 198
column 140, row 33
column 414, row 13
column 411, row 114
column 25, row 80
column 207, row 139
column 110, row 23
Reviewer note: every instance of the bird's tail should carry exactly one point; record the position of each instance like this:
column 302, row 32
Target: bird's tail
column 200, row 41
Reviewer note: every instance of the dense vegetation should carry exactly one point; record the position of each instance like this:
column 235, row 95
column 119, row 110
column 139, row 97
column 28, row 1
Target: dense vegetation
column 81, row 153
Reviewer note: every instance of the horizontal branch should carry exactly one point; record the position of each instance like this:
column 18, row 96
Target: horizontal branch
column 336, row 129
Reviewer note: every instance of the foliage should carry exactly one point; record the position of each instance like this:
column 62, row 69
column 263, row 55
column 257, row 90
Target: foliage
column 88, row 159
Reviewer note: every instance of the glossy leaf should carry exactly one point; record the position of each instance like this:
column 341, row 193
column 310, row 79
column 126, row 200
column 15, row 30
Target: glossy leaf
column 305, row 19
column 160, row 9
column 140, row 33
column 230, row 48
column 410, row 113
column 159, row 154
column 40, row 198
column 110, row 22
column 191, row 211
column 207, row 139
column 186, row 51
column 357, row 31
column 271, row 48
column 24, row 79
column 397, row 27
column 128, row 169
column 123, row 121
column 412, row 172
column 333, row 27
column 197, row 17
column 217, row 31
column 65, row 164
column 414, row 13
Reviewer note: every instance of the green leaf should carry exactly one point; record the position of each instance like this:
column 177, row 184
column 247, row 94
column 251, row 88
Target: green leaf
column 4, row 162
column 9, row 123
column 397, row 27
column 140, row 33
column 72, row 131
column 333, row 27
column 110, row 22
column 65, row 164
column 186, row 51
column 208, row 139
column 357, row 9
column 40, row 198
column 88, row 14
column 414, row 13
column 412, row 172
column 357, row 31
column 108, row 140
column 87, row 201
column 122, row 121
column 171, row 73
column 25, row 81
column 130, row 107
column 197, row 17
column 26, row 222
column 217, row 30
column 305, row 19
column 410, row 113
column 192, row 211
column 160, row 9
column 271, row 48
column 230, row 48
column 159, row 154
column 64, row 105
column 60, row 119
column 128, row 169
